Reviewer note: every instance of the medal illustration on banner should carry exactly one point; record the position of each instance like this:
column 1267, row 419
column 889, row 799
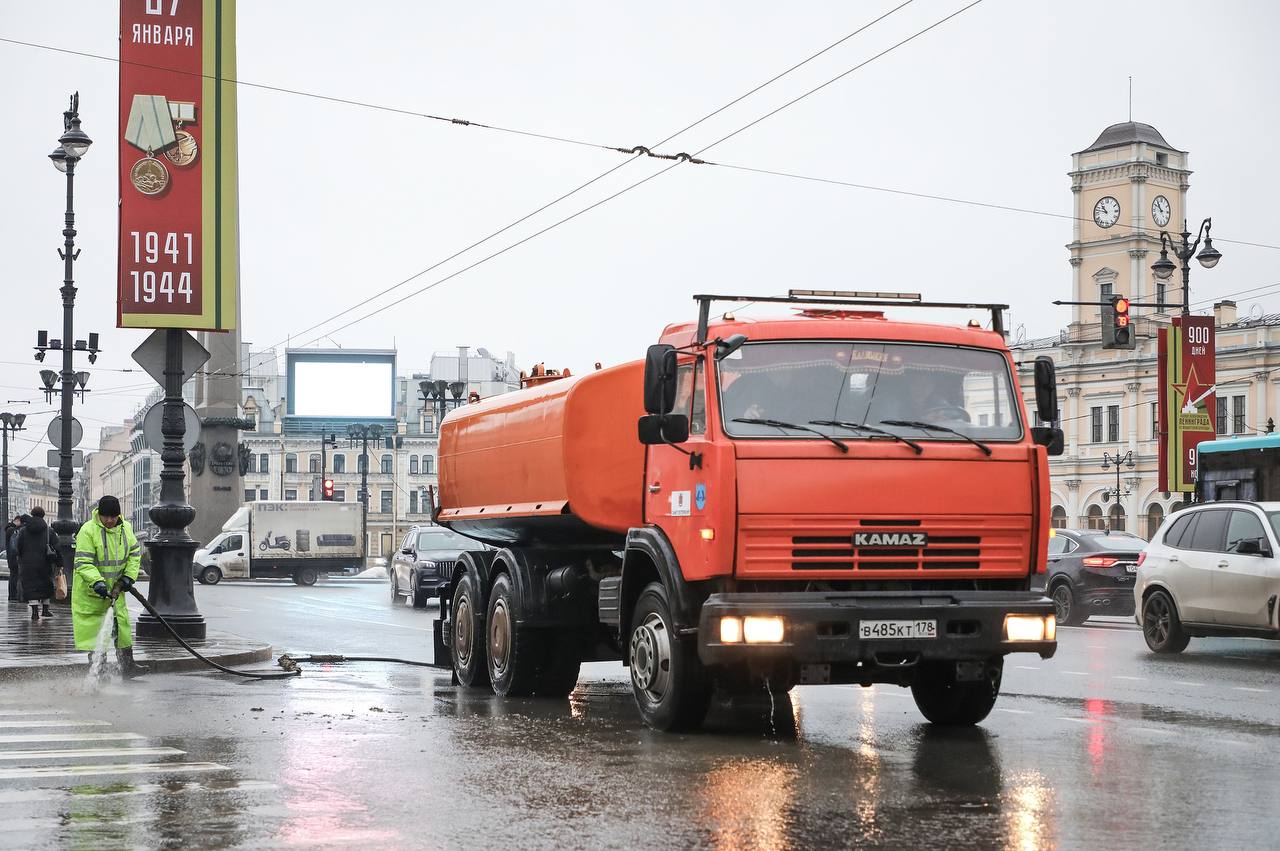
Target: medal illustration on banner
column 155, row 126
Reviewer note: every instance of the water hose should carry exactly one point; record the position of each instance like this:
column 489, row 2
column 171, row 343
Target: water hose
column 290, row 663
column 272, row 676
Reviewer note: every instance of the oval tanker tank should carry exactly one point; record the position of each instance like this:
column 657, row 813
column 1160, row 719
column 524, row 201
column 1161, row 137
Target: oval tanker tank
column 552, row 465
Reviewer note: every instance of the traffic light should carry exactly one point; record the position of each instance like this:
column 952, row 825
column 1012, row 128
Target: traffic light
column 1117, row 324
column 327, row 490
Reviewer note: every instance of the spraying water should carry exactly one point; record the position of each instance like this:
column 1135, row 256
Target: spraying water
column 105, row 665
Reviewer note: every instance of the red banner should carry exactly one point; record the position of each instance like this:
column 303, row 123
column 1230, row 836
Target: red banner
column 1188, row 402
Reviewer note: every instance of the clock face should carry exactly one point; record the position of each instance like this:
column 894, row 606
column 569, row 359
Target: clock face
column 1160, row 210
column 1106, row 212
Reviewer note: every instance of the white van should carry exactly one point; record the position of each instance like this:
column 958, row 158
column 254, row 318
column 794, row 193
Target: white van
column 277, row 540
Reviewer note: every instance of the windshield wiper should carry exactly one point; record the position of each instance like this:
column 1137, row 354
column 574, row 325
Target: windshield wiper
column 869, row 430
column 782, row 424
column 931, row 427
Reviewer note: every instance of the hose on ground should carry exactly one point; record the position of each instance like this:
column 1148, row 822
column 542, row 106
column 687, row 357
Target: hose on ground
column 272, row 676
column 290, row 663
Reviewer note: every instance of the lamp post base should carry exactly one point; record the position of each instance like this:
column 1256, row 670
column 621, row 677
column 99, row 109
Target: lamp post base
column 171, row 592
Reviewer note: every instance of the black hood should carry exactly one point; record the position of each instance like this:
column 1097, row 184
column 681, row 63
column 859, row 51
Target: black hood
column 35, row 524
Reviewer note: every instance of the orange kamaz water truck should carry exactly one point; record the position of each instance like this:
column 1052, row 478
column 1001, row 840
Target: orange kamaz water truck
column 828, row 497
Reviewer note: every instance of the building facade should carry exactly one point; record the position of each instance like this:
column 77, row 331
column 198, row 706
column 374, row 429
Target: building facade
column 1128, row 186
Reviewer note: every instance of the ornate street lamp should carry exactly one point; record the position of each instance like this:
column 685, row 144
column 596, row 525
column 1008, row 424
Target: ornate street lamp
column 1208, row 257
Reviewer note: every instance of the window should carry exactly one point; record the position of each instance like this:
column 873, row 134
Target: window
column 339, row 462
column 1162, row 158
column 428, row 423
column 413, row 502
column 1222, row 415
column 311, row 494
column 290, row 495
column 1061, row 544
column 1094, row 519
column 385, row 502
column 248, row 494
column 1058, row 517
column 1179, row 529
column 235, row 542
column 262, row 495
column 313, row 463
column 386, row 464
column 984, row 419
column 1160, row 295
column 339, row 495
column 1237, row 415
column 413, row 465
column 691, row 399
column 1155, row 516
column 1113, row 423
column 291, row 462
column 441, row 539
column 1209, row 532
column 264, row 465
column 1095, row 425
column 1245, row 526
column 1117, row 518
column 428, row 465
column 1155, row 423
column 1106, row 289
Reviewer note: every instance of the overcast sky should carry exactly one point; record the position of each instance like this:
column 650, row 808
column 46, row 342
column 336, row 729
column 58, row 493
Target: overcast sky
column 339, row 201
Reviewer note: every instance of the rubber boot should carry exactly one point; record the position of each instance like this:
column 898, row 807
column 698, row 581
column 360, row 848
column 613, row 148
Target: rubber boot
column 129, row 668
column 35, row 613
column 47, row 613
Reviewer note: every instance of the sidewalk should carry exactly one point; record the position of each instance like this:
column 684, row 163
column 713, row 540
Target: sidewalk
column 46, row 648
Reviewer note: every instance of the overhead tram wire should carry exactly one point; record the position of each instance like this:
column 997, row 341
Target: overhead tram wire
column 605, row 174
column 639, row 183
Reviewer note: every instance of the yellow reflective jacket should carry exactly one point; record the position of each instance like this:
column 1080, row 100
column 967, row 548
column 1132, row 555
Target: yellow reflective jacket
column 102, row 554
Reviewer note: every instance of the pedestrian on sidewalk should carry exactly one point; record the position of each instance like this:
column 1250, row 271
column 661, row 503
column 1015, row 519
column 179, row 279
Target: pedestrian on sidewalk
column 10, row 537
column 37, row 562
column 107, row 558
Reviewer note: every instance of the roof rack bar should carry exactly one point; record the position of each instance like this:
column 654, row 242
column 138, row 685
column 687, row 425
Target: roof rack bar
column 889, row 300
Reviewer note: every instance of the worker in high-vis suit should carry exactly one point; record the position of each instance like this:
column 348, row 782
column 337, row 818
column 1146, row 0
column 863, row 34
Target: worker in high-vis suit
column 107, row 560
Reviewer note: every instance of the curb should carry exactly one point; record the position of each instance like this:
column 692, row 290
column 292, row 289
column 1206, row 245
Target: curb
column 180, row 664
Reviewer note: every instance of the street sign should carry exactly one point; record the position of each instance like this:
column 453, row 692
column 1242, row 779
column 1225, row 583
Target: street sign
column 153, row 422
column 177, row 262
column 55, row 432
column 1187, row 374
column 151, row 356
column 53, row 458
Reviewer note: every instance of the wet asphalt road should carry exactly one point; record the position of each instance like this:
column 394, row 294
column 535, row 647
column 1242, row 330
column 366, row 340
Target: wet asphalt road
column 1102, row 746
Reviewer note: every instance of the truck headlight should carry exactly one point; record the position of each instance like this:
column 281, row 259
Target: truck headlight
column 762, row 630
column 1030, row 627
column 730, row 630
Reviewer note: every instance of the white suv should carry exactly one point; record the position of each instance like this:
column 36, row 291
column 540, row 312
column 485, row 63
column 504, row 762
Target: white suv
column 1210, row 570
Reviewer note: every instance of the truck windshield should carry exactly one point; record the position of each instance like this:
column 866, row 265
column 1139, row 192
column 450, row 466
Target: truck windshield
column 964, row 392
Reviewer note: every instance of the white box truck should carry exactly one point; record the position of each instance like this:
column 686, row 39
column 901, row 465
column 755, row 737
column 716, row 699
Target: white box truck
column 284, row 540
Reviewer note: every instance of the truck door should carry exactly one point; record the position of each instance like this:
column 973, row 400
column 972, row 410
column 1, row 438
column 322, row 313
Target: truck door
column 693, row 502
column 233, row 561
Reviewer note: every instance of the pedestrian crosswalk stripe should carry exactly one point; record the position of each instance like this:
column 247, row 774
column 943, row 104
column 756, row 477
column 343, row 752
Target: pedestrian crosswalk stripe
column 19, row 713
column 56, row 771
column 68, row 722
column 168, row 789
column 32, row 738
column 14, row 756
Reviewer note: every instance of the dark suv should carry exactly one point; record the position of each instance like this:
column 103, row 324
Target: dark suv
column 425, row 561
column 1091, row 573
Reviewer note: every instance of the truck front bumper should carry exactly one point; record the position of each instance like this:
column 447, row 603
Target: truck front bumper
column 823, row 629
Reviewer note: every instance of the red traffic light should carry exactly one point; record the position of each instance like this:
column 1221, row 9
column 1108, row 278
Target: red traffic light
column 328, row 488
column 1121, row 306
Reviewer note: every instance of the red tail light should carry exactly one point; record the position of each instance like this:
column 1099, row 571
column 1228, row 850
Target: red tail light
column 1099, row 561
column 1142, row 556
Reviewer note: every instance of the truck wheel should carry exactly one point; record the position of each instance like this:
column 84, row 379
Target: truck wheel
column 470, row 664
column 210, row 576
column 305, row 576
column 671, row 687
column 416, row 593
column 944, row 701
column 1065, row 607
column 560, row 667
column 515, row 653
column 1161, row 626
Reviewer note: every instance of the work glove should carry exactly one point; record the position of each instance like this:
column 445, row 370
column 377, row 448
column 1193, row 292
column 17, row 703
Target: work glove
column 100, row 588
column 126, row 583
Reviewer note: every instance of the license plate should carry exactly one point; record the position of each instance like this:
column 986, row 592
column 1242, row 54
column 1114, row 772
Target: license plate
column 897, row 629
column 1130, row 568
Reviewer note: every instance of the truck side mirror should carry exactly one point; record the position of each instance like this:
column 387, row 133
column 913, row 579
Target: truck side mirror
column 1046, row 380
column 660, row 379
column 1050, row 438
column 657, row 429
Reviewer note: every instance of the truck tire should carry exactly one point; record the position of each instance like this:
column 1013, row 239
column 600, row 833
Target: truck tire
column 671, row 687
column 210, row 576
column 944, row 701
column 467, row 641
column 306, row 576
column 561, row 665
column 1161, row 626
column 515, row 653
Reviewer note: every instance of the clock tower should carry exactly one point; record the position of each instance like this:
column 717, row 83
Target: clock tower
column 1128, row 185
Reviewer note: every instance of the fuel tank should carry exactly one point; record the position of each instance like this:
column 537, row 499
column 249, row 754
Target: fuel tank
column 554, row 464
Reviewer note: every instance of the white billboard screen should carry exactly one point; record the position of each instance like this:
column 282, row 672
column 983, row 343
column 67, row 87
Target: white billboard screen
column 336, row 388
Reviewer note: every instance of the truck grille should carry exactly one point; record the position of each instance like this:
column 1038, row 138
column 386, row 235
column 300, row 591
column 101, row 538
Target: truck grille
column 780, row 546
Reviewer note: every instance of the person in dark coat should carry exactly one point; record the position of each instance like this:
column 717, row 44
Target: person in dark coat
column 10, row 538
column 38, row 561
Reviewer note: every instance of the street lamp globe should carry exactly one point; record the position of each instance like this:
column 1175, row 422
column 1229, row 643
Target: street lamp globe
column 75, row 141
column 1209, row 256
column 59, row 157
column 1163, row 268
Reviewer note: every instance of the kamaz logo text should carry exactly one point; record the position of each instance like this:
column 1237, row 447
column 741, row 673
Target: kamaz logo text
column 890, row 539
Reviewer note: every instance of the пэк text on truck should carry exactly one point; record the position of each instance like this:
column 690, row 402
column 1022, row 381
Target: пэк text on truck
column 828, row 497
